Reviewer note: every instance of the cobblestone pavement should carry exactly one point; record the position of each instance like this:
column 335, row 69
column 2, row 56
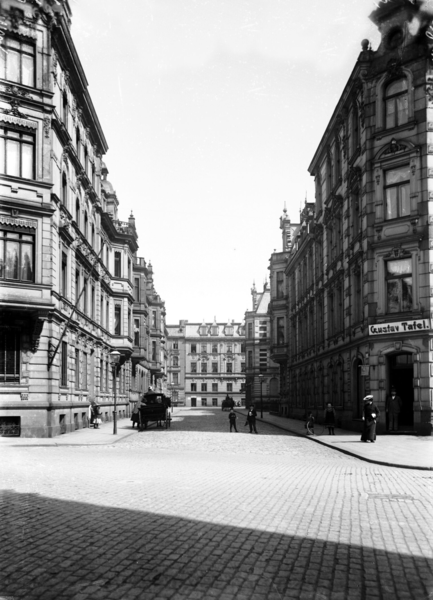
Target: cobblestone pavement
column 195, row 512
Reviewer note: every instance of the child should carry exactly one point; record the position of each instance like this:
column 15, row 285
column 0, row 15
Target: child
column 310, row 424
column 232, row 419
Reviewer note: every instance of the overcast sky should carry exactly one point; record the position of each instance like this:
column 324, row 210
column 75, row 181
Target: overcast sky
column 213, row 110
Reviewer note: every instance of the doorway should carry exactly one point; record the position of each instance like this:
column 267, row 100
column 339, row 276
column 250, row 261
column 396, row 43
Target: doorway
column 401, row 377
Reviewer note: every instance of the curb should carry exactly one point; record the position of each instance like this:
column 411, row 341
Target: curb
column 348, row 452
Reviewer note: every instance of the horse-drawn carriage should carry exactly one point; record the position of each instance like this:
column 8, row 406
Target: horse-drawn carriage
column 154, row 408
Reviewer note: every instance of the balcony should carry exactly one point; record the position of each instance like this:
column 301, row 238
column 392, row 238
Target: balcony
column 279, row 352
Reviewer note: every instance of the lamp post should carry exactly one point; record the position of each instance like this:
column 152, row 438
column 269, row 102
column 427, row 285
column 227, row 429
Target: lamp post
column 261, row 395
column 114, row 360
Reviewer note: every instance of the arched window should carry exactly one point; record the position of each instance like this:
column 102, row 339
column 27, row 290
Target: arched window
column 396, row 103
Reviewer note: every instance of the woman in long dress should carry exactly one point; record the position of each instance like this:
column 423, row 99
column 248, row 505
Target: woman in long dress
column 370, row 414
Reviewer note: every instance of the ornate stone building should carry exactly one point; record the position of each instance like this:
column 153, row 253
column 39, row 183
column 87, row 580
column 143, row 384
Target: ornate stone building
column 359, row 269
column 262, row 373
column 67, row 262
column 206, row 362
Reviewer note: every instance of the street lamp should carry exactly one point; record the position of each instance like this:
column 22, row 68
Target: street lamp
column 261, row 395
column 114, row 360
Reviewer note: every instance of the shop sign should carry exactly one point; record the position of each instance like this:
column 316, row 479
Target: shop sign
column 416, row 325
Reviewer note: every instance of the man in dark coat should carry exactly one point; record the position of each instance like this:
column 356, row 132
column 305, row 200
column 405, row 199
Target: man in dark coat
column 393, row 408
column 251, row 418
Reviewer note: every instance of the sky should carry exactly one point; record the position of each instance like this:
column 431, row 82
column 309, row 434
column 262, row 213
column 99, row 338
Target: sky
column 213, row 110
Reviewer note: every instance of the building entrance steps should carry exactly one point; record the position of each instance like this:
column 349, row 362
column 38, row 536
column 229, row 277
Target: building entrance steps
column 407, row 451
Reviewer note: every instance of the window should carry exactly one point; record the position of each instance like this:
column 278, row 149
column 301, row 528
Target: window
column 280, row 330
column 17, row 62
column 397, row 192
column 280, row 284
column 250, row 358
column 214, row 401
column 323, row 181
column 396, row 104
column 193, row 367
column 229, row 367
column 229, row 349
column 243, row 347
column 84, row 303
column 16, row 153
column 204, row 367
column 92, row 239
column 117, row 264
column 214, row 387
column 356, row 221
column 16, row 256
column 77, row 212
column 176, row 378
column 9, row 356
column 204, row 348
column 136, row 332
column 250, row 330
column 129, row 322
column 93, row 303
column 86, row 225
column 77, row 141
column 204, row 387
column 77, row 369
column 137, row 289
column 175, row 346
column 154, row 351
column 193, row 387
column 107, row 315
column 65, row 109
column 64, row 197
column 84, row 372
column 154, row 319
column 243, row 367
column 64, row 364
column 214, row 367
column 204, row 402
column 229, row 387
column 117, row 312
column 203, row 329
column 399, row 285
column 214, row 330
column 214, row 348
column 193, row 348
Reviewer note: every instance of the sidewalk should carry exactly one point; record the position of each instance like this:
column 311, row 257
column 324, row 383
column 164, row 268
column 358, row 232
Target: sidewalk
column 405, row 451
column 82, row 437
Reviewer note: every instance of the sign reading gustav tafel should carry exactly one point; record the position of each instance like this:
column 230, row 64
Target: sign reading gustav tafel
column 414, row 326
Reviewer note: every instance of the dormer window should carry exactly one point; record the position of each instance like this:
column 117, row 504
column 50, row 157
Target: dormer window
column 396, row 103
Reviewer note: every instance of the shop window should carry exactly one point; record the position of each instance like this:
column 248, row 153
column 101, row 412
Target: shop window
column 397, row 192
column 396, row 103
column 17, row 256
column 17, row 61
column 9, row 356
column 16, row 153
column 399, row 285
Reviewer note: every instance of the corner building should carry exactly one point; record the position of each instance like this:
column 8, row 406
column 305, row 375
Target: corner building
column 359, row 274
column 66, row 259
column 206, row 362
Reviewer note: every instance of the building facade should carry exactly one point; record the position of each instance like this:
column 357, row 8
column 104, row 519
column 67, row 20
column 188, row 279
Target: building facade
column 206, row 363
column 262, row 373
column 66, row 259
column 358, row 272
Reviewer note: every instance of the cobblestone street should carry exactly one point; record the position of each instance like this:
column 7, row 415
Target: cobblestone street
column 196, row 512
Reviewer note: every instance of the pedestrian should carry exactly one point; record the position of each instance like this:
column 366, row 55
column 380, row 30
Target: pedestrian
column 393, row 408
column 232, row 419
column 96, row 416
column 251, row 419
column 329, row 416
column 310, row 424
column 370, row 414
column 135, row 417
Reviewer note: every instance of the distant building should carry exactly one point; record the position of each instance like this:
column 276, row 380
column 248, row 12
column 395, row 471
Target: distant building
column 206, row 363
column 262, row 373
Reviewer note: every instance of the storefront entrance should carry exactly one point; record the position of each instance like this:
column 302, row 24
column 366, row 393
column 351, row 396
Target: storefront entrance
column 401, row 377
